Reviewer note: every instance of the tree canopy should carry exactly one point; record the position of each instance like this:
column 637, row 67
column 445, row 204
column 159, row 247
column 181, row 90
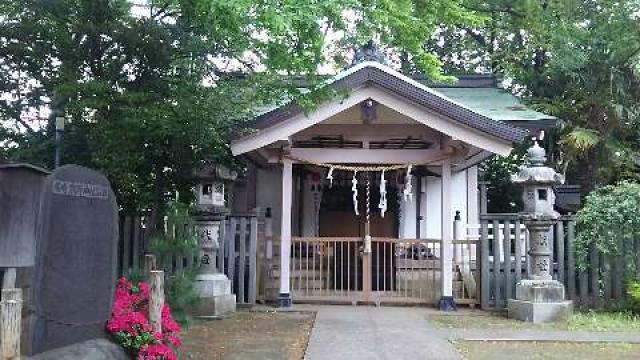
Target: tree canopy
column 577, row 60
column 150, row 89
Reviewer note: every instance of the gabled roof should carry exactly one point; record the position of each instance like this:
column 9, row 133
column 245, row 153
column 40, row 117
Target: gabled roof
column 499, row 105
column 376, row 74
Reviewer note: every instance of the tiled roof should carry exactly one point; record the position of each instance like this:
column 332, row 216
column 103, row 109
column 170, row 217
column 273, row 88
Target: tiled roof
column 375, row 74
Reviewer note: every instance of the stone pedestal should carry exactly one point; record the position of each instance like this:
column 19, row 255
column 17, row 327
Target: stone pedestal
column 216, row 299
column 539, row 301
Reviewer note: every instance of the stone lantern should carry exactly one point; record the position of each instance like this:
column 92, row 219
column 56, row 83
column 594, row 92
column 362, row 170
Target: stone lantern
column 212, row 198
column 539, row 298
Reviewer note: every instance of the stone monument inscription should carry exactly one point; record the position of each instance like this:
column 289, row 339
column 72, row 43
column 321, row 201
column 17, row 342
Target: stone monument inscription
column 75, row 270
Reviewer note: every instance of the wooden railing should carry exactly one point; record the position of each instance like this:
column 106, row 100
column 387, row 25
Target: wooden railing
column 333, row 269
column 325, row 268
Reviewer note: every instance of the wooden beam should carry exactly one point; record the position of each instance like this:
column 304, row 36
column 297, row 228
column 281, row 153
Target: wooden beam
column 372, row 132
column 366, row 156
column 472, row 160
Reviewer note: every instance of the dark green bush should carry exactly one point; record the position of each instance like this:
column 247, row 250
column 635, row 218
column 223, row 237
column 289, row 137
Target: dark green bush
column 608, row 219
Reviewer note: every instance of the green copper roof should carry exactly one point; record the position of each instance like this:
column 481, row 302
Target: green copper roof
column 495, row 103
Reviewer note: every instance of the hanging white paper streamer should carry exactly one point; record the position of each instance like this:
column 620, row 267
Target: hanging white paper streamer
column 383, row 195
column 330, row 177
column 408, row 188
column 354, row 188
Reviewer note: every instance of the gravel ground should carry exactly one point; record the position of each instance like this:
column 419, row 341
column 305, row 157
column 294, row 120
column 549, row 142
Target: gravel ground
column 250, row 336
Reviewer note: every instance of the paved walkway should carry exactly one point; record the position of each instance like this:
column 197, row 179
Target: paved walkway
column 370, row 333
column 399, row 333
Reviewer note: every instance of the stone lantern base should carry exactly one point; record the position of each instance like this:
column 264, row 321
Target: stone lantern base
column 216, row 299
column 539, row 301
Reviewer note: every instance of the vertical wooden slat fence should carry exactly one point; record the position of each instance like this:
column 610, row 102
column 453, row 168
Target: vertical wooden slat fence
column 504, row 261
column 397, row 271
column 236, row 256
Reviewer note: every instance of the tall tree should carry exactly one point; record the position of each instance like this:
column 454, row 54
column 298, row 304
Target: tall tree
column 575, row 59
column 151, row 89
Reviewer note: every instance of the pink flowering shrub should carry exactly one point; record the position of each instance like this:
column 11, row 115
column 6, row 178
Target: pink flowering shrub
column 129, row 324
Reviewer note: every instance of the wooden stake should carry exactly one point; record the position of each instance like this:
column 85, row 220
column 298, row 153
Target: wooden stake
column 10, row 323
column 156, row 301
column 149, row 264
column 9, row 279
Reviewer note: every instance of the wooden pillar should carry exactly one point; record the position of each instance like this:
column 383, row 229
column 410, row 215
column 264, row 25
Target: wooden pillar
column 446, row 301
column 284, row 299
column 9, row 278
column 482, row 188
column 149, row 265
column 156, row 299
column 10, row 317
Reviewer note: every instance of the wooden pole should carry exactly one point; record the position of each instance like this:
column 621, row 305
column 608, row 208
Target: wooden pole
column 10, row 323
column 156, row 300
column 149, row 264
column 9, row 279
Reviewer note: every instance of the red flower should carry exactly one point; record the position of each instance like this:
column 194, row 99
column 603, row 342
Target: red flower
column 130, row 325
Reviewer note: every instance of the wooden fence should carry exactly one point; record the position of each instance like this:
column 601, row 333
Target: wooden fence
column 504, row 261
column 236, row 255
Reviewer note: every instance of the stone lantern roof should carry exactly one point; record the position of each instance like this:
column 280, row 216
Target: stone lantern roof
column 213, row 171
column 537, row 172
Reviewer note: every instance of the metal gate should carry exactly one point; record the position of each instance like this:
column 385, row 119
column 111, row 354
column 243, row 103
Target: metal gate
column 404, row 271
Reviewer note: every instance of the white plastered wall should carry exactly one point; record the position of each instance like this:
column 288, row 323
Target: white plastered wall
column 269, row 194
column 310, row 207
column 464, row 194
column 464, row 198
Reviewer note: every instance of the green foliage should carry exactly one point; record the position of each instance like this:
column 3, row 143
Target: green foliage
column 135, row 275
column 609, row 218
column 577, row 60
column 179, row 240
column 182, row 296
column 581, row 140
column 503, row 196
column 633, row 291
column 150, row 92
column 134, row 343
column 622, row 321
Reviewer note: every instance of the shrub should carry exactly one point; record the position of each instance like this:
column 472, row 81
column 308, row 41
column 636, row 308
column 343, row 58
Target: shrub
column 130, row 327
column 177, row 242
column 181, row 296
column 633, row 290
column 608, row 218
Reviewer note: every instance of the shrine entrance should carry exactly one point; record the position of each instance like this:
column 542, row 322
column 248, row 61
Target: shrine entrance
column 335, row 267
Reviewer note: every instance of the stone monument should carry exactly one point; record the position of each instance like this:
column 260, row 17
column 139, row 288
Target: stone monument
column 75, row 261
column 212, row 285
column 539, row 298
